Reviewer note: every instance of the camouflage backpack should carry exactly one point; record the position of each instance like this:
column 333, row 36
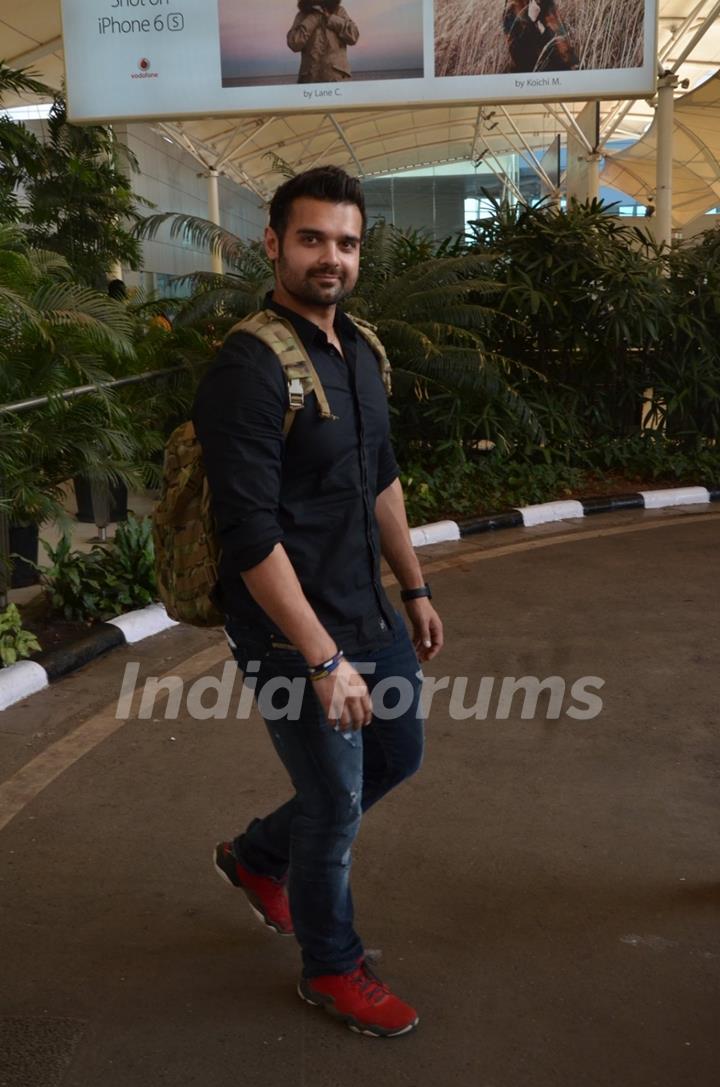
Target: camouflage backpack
column 187, row 555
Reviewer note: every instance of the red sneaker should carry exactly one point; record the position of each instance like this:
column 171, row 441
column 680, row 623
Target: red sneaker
column 362, row 1001
column 267, row 897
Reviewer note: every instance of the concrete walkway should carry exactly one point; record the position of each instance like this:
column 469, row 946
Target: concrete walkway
column 546, row 891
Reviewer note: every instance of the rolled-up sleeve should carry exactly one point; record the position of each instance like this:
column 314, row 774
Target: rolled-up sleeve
column 387, row 469
column 238, row 415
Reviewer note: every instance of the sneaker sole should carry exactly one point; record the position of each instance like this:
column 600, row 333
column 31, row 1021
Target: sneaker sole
column 241, row 887
column 351, row 1021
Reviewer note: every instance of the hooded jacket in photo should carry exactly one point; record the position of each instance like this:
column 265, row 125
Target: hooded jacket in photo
column 322, row 37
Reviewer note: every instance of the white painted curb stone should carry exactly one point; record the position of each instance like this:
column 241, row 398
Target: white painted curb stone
column 545, row 512
column 438, row 532
column 140, row 624
column 675, row 496
column 20, row 680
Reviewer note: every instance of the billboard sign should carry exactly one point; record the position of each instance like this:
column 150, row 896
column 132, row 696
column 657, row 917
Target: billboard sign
column 163, row 59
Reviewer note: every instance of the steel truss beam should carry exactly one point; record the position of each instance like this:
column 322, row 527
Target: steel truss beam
column 338, row 128
column 205, row 155
column 621, row 110
column 533, row 162
column 697, row 37
column 45, row 49
column 237, row 141
column 360, row 146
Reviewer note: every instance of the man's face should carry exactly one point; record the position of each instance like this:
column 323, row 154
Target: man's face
column 318, row 259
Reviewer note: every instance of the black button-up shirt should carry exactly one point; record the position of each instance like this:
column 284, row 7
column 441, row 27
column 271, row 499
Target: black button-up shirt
column 314, row 492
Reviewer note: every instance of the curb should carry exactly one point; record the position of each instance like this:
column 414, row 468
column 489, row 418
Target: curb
column 545, row 512
column 25, row 678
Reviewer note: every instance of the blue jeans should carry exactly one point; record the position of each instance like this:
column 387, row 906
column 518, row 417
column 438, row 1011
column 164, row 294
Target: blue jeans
column 337, row 776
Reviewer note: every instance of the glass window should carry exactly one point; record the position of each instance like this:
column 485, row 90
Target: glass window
column 478, row 207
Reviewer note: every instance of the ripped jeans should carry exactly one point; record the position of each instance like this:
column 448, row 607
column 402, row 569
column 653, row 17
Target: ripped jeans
column 337, row 776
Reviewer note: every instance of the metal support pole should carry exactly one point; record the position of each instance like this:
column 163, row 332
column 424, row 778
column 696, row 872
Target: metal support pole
column 214, row 216
column 663, row 205
column 583, row 157
column 593, row 176
column 664, row 186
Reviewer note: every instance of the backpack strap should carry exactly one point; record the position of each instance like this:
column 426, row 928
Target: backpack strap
column 278, row 334
column 369, row 333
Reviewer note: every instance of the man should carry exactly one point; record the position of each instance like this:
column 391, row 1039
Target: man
column 321, row 32
column 302, row 522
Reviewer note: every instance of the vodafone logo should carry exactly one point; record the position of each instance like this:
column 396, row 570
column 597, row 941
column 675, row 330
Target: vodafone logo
column 144, row 70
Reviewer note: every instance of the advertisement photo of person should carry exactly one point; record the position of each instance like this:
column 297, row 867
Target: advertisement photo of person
column 319, row 41
column 537, row 38
column 496, row 37
column 321, row 33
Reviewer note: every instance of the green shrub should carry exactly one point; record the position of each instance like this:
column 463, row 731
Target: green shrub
column 106, row 581
column 465, row 487
column 15, row 643
column 687, row 377
column 583, row 303
column 654, row 456
column 130, row 565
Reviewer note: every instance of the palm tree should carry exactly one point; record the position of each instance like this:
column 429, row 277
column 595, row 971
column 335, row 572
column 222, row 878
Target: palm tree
column 56, row 334
column 77, row 194
column 20, row 149
column 80, row 201
column 432, row 305
column 220, row 299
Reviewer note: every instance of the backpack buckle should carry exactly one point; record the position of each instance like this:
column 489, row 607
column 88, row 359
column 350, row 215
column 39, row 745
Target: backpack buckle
column 296, row 394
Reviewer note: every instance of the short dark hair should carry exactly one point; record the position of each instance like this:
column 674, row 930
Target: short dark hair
column 329, row 183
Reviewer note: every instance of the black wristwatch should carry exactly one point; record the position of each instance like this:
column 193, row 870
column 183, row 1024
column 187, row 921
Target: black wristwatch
column 416, row 594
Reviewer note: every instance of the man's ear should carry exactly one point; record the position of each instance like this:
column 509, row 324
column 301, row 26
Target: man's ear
column 272, row 243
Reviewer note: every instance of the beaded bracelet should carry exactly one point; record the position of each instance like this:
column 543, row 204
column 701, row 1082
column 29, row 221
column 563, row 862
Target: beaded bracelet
column 320, row 671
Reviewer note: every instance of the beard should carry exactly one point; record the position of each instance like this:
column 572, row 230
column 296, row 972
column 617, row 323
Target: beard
column 308, row 287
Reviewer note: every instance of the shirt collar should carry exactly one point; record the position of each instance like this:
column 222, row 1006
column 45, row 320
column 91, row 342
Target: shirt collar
column 309, row 332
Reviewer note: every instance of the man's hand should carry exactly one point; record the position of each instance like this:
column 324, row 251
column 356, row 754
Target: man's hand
column 427, row 628
column 345, row 698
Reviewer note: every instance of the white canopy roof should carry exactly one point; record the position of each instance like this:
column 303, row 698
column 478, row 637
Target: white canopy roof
column 252, row 150
column 696, row 150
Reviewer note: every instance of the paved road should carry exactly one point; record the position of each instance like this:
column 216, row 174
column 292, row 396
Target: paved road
column 546, row 890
